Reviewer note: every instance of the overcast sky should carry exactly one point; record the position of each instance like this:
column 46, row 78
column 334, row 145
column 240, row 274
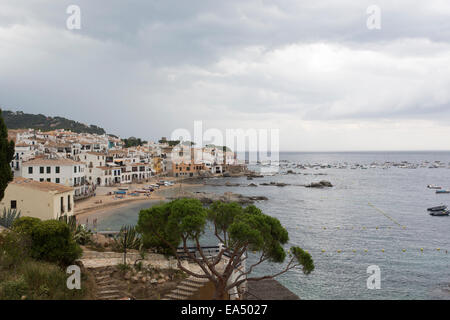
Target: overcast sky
column 311, row 69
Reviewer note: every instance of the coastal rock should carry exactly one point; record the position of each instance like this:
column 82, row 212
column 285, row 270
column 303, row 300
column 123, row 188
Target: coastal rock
column 208, row 198
column 229, row 184
column 255, row 175
column 258, row 198
column 277, row 184
column 252, row 185
column 321, row 184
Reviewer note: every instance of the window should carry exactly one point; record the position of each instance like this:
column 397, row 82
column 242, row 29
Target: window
column 49, row 180
column 30, row 170
column 57, row 169
column 41, row 169
column 41, row 179
column 57, row 180
column 13, row 204
column 62, row 204
column 49, row 169
column 75, row 169
column 69, row 207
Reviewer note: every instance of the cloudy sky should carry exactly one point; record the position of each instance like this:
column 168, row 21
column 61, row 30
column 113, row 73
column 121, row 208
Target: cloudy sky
column 311, row 69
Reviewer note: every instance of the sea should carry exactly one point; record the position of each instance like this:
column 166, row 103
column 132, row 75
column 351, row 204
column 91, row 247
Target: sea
column 373, row 218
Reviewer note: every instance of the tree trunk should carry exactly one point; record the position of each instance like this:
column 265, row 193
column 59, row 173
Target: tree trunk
column 220, row 293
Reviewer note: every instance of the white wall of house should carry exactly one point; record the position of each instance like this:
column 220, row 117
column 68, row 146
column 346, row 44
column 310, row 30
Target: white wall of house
column 72, row 175
column 43, row 204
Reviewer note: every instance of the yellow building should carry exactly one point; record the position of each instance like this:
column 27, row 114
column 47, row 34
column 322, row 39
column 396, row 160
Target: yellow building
column 43, row 200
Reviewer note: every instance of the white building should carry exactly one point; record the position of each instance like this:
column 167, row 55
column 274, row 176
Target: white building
column 22, row 152
column 92, row 160
column 62, row 171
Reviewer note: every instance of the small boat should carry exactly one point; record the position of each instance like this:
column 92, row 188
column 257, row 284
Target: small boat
column 440, row 213
column 141, row 191
column 442, row 191
column 432, row 186
column 437, row 208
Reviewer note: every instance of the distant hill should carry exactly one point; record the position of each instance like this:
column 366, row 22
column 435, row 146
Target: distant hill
column 21, row 120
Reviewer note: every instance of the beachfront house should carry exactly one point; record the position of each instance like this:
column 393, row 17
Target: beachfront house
column 65, row 172
column 43, row 200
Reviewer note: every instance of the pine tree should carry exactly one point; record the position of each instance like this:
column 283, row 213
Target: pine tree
column 6, row 156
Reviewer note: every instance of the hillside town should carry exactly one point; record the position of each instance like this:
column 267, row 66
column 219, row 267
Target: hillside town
column 72, row 165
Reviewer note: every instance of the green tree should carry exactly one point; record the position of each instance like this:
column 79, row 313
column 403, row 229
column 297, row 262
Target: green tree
column 238, row 229
column 6, row 156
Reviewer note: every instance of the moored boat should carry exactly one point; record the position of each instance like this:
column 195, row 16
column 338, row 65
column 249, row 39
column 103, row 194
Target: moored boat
column 438, row 208
column 432, row 186
column 442, row 191
column 440, row 213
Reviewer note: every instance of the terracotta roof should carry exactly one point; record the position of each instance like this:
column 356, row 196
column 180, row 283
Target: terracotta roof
column 107, row 168
column 42, row 186
column 22, row 144
column 50, row 162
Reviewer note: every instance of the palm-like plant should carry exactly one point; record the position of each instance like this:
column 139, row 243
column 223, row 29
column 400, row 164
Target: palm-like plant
column 8, row 217
column 128, row 238
column 80, row 234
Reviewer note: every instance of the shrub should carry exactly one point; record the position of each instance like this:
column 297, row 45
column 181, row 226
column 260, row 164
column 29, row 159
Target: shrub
column 13, row 289
column 123, row 267
column 52, row 241
column 25, row 225
column 14, row 249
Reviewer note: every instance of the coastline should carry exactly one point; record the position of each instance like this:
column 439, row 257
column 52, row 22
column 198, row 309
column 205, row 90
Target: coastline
column 101, row 202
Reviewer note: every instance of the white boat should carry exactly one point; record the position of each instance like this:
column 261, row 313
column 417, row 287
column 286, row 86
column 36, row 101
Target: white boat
column 432, row 186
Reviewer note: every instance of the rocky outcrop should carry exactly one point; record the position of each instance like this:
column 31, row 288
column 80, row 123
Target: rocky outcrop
column 276, row 184
column 321, row 184
column 229, row 184
column 208, row 198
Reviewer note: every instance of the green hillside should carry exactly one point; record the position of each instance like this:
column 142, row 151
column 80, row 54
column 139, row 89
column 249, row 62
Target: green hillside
column 21, row 120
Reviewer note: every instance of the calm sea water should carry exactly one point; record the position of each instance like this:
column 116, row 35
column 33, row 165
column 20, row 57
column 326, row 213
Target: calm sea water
column 373, row 217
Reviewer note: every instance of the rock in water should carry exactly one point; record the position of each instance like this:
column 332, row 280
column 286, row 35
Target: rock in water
column 320, row 184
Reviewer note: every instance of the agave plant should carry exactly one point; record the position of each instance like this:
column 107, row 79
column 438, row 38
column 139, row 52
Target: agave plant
column 8, row 217
column 128, row 238
column 80, row 234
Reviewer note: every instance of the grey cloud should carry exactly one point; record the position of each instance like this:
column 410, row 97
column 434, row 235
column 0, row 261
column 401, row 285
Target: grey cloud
column 145, row 68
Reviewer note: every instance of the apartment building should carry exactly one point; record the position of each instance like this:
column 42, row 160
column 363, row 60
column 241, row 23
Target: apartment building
column 60, row 171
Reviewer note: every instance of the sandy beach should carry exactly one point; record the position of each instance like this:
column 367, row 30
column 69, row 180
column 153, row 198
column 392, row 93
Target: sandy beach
column 106, row 199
